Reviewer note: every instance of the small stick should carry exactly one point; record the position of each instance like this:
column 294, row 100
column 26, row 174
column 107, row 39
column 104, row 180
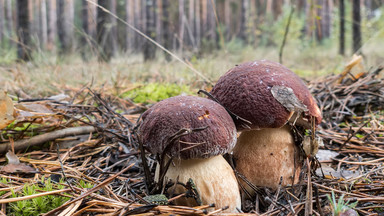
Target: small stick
column 308, row 203
column 62, row 168
column 352, row 135
column 40, row 139
column 176, row 197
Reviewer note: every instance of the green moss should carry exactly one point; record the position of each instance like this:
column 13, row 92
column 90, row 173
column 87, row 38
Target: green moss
column 38, row 205
column 154, row 92
column 84, row 184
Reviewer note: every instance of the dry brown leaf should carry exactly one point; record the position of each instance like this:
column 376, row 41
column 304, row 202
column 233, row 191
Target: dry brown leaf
column 17, row 168
column 37, row 112
column 7, row 111
column 355, row 61
column 41, row 108
column 14, row 165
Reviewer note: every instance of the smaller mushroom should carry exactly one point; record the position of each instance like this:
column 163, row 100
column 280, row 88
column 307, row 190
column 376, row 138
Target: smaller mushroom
column 194, row 132
column 268, row 95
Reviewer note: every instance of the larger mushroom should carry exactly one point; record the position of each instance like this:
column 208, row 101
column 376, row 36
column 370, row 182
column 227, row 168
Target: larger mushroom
column 194, row 132
column 268, row 95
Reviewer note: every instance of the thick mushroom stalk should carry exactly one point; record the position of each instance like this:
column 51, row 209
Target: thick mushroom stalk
column 273, row 154
column 268, row 95
column 214, row 179
column 194, row 132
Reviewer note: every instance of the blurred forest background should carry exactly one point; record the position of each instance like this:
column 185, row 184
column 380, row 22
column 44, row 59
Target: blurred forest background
column 68, row 38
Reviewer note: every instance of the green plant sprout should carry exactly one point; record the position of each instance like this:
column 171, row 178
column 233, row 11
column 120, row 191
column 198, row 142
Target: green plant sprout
column 338, row 207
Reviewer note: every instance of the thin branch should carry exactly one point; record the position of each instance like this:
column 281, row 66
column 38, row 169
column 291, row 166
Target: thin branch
column 40, row 139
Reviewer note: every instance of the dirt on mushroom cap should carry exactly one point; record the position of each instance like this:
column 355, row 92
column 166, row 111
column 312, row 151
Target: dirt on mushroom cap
column 215, row 134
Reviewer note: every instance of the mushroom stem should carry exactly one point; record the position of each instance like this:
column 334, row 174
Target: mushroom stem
column 213, row 177
column 263, row 156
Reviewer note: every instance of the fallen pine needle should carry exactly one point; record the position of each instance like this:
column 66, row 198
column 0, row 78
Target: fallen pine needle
column 33, row 196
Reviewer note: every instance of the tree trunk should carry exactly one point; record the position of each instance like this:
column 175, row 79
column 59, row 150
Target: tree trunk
column 149, row 47
column 143, row 22
column 197, row 23
column 129, row 18
column 227, row 19
column 9, row 18
column 2, row 21
column 243, row 20
column 181, row 25
column 36, row 33
column 191, row 24
column 204, row 22
column 277, row 8
column 309, row 18
column 43, row 23
column 85, row 33
column 52, row 25
column 369, row 9
column 159, row 24
column 212, row 20
column 356, row 27
column 327, row 18
column 254, row 23
column 65, row 17
column 69, row 25
column 319, row 20
column 269, row 7
column 167, row 30
column 23, row 45
column 113, row 27
column 92, row 22
column 103, row 32
column 342, row 28
column 137, row 22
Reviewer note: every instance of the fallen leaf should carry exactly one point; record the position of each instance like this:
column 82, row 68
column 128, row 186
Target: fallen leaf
column 7, row 111
column 331, row 173
column 40, row 108
column 325, row 155
column 14, row 165
column 18, row 168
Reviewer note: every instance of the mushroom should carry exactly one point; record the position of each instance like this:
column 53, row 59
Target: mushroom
column 268, row 95
column 194, row 132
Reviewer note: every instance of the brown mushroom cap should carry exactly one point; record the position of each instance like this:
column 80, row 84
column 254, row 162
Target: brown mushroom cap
column 166, row 118
column 246, row 91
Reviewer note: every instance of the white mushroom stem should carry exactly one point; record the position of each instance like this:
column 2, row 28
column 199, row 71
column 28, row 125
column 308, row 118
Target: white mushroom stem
column 263, row 156
column 214, row 178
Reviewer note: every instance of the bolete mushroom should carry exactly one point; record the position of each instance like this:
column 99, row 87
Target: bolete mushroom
column 194, row 132
column 268, row 95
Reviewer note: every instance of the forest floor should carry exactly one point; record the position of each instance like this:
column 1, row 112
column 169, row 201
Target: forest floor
column 49, row 74
column 76, row 140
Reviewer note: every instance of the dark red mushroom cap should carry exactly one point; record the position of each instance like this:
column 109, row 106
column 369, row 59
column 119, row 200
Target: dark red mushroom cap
column 246, row 90
column 163, row 120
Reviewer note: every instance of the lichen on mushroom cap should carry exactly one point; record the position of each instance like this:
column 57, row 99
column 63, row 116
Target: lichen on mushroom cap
column 248, row 87
column 197, row 154
column 268, row 95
